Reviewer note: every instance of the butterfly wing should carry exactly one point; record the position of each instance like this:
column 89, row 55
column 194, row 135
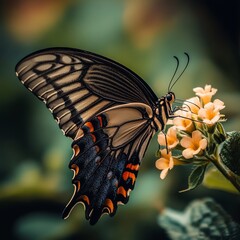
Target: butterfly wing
column 106, row 109
column 76, row 85
column 107, row 154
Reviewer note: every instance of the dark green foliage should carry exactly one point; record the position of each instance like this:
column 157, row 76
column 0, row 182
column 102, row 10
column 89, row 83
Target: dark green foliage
column 230, row 152
column 201, row 220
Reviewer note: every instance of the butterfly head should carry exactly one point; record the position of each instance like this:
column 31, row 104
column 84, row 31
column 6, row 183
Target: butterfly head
column 168, row 101
column 170, row 97
column 164, row 110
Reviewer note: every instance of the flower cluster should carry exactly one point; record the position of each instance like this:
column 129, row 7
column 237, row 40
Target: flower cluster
column 193, row 133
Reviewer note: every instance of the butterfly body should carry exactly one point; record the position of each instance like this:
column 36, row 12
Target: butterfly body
column 110, row 113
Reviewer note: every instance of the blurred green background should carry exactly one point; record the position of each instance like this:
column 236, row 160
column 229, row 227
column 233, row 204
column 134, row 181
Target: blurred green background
column 35, row 182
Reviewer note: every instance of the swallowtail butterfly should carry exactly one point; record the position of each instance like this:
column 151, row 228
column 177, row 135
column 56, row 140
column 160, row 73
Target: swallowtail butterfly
column 108, row 111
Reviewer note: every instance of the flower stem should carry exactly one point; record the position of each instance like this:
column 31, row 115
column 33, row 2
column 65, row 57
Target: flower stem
column 231, row 176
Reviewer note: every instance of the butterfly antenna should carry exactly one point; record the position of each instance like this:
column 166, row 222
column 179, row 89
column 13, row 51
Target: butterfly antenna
column 188, row 59
column 194, row 104
column 169, row 86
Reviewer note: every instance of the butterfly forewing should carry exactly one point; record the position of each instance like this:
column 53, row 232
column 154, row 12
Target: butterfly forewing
column 108, row 112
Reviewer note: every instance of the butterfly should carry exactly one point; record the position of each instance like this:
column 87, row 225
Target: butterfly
column 110, row 114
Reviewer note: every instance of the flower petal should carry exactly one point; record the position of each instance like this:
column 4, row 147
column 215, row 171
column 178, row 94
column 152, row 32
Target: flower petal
column 165, row 163
column 164, row 173
column 162, row 163
column 196, row 136
column 193, row 104
column 162, row 139
column 218, row 104
column 187, row 153
column 203, row 143
column 186, row 142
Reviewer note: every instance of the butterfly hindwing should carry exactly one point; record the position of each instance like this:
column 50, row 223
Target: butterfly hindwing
column 104, row 174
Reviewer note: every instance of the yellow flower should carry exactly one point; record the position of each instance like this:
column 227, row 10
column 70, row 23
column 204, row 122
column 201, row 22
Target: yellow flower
column 170, row 137
column 183, row 122
column 218, row 104
column 165, row 163
column 205, row 93
column 210, row 114
column 192, row 104
column 194, row 145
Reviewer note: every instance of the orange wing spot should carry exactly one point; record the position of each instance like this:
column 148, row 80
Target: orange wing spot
column 133, row 167
column 76, row 150
column 109, row 205
column 93, row 137
column 77, row 184
column 75, row 168
column 129, row 165
column 125, row 175
column 90, row 126
column 100, row 120
column 122, row 191
column 85, row 199
column 132, row 176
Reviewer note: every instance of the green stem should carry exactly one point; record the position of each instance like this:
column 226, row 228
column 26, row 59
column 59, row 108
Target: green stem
column 232, row 177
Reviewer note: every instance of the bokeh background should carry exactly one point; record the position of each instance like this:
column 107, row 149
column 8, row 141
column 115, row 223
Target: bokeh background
column 35, row 182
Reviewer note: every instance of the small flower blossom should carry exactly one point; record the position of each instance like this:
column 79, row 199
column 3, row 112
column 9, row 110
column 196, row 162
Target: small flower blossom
column 193, row 105
column 195, row 125
column 194, row 145
column 170, row 138
column 205, row 93
column 183, row 122
column 165, row 163
column 210, row 113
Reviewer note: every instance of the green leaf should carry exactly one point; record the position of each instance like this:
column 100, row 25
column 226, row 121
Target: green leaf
column 202, row 219
column 196, row 177
column 214, row 179
column 221, row 131
column 229, row 152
